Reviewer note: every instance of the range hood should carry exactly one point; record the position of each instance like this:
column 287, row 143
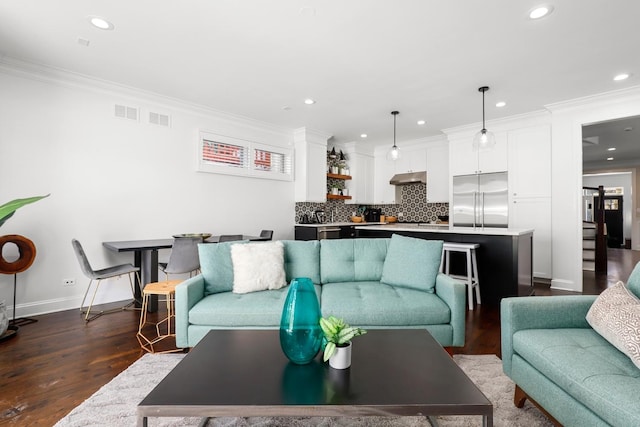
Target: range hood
column 409, row 178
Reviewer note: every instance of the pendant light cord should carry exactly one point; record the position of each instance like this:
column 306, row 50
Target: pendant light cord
column 394, row 130
column 483, row 125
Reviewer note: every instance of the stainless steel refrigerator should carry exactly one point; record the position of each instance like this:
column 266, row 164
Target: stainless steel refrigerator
column 481, row 200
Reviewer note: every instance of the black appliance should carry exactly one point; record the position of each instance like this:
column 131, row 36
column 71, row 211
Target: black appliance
column 372, row 215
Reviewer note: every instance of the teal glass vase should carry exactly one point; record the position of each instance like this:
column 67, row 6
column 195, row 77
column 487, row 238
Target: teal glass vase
column 300, row 333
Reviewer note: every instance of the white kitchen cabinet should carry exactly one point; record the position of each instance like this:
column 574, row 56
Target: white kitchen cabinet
column 383, row 192
column 530, row 162
column 411, row 160
column 310, row 166
column 437, row 167
column 361, row 186
column 464, row 160
column 535, row 213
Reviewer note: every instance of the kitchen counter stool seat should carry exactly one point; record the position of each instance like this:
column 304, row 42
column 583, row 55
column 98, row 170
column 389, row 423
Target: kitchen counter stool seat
column 168, row 290
column 471, row 279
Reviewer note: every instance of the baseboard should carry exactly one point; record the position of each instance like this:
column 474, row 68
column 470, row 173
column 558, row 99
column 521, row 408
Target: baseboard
column 564, row 285
column 44, row 307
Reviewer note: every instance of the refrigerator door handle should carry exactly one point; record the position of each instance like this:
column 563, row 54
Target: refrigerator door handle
column 475, row 208
column 482, row 209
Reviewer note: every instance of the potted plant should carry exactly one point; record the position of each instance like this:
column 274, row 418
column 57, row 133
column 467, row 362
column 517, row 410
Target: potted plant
column 8, row 209
column 338, row 335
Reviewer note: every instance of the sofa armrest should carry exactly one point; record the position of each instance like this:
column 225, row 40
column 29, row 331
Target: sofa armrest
column 551, row 312
column 188, row 293
column 453, row 293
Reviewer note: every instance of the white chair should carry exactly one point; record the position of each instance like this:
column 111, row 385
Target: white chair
column 99, row 276
column 471, row 279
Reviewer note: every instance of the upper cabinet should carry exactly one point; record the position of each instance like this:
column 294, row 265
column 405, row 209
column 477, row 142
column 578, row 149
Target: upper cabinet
column 464, row 160
column 530, row 162
column 411, row 160
column 361, row 186
column 310, row 166
column 383, row 192
column 438, row 173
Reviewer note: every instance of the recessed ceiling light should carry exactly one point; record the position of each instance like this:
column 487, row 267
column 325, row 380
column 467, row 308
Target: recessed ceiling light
column 621, row 76
column 609, row 158
column 611, row 149
column 500, row 104
column 540, row 11
column 421, row 122
column 363, row 135
column 309, row 101
column 100, row 22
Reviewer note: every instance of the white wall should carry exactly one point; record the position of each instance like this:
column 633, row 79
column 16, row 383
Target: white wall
column 622, row 179
column 567, row 120
column 113, row 179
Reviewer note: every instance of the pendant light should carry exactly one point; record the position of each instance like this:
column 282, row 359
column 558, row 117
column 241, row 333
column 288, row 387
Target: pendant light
column 394, row 152
column 484, row 139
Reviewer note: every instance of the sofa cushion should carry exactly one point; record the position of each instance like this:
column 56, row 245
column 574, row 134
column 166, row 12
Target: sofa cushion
column 216, row 266
column 257, row 266
column 587, row 367
column 377, row 304
column 352, row 260
column 412, row 263
column 633, row 283
column 230, row 310
column 302, row 259
column 615, row 315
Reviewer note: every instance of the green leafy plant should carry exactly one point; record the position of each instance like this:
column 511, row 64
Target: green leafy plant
column 8, row 209
column 338, row 334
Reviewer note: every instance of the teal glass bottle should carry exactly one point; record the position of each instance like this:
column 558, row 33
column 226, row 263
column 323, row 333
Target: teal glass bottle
column 300, row 333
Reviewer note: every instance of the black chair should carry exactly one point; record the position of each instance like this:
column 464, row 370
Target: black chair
column 266, row 234
column 230, row 237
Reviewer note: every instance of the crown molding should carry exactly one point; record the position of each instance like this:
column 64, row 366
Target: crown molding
column 71, row 79
column 600, row 99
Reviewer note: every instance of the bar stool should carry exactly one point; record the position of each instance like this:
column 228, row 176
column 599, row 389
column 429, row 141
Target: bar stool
column 168, row 290
column 471, row 279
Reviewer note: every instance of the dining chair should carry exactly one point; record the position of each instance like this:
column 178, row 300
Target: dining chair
column 99, row 276
column 184, row 256
column 267, row 234
column 230, row 237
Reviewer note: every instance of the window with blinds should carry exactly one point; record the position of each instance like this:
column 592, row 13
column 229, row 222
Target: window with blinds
column 232, row 156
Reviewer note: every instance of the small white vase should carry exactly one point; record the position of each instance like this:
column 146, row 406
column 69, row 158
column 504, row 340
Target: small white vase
column 334, row 191
column 334, row 170
column 341, row 359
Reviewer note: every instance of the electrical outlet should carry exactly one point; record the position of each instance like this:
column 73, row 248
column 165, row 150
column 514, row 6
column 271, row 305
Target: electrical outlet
column 68, row 282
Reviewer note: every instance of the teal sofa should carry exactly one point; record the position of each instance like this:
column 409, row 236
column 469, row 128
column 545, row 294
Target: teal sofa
column 557, row 360
column 348, row 275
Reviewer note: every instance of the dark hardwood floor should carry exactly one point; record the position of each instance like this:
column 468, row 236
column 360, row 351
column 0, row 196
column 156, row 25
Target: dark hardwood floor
column 53, row 365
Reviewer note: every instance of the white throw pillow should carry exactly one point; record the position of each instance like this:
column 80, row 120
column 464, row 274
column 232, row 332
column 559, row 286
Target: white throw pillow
column 615, row 315
column 258, row 267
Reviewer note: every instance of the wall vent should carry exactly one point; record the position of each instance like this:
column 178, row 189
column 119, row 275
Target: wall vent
column 125, row 112
column 159, row 119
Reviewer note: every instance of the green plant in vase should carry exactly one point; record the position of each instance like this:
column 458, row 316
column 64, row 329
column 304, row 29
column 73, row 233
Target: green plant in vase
column 338, row 333
column 8, row 209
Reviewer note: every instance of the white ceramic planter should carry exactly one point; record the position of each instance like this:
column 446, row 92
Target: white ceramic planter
column 335, row 191
column 341, row 359
column 334, row 170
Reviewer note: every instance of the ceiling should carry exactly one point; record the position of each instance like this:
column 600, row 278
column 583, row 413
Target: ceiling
column 358, row 59
column 598, row 139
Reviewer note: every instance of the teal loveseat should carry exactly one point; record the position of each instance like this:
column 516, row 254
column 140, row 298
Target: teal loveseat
column 349, row 275
column 557, row 360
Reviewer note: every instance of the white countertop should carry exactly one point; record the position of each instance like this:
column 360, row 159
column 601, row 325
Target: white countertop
column 447, row 228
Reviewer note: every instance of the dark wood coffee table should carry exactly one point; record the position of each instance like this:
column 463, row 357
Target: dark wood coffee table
column 244, row 373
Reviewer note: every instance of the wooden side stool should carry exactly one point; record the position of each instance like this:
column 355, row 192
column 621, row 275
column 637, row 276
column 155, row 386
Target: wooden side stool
column 168, row 290
column 471, row 279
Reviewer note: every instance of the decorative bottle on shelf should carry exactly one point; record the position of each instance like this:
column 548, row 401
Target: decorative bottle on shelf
column 300, row 333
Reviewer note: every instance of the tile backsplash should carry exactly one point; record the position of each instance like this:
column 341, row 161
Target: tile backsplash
column 413, row 207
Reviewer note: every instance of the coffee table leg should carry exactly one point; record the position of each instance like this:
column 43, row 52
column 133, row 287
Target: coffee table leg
column 204, row 421
column 142, row 421
column 487, row 420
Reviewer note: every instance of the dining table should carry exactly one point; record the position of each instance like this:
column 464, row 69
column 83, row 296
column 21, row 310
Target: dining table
column 145, row 257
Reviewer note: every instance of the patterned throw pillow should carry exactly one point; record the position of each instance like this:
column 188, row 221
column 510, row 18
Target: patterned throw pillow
column 615, row 315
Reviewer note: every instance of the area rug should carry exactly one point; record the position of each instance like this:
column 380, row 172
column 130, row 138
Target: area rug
column 115, row 403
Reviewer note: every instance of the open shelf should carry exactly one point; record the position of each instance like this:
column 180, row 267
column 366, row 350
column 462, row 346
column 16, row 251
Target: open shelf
column 336, row 176
column 334, row 196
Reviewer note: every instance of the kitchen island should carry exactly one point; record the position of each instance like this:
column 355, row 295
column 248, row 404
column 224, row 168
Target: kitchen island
column 505, row 255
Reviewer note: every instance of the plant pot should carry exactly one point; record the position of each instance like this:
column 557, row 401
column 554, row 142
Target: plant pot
column 334, row 170
column 335, row 191
column 341, row 359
